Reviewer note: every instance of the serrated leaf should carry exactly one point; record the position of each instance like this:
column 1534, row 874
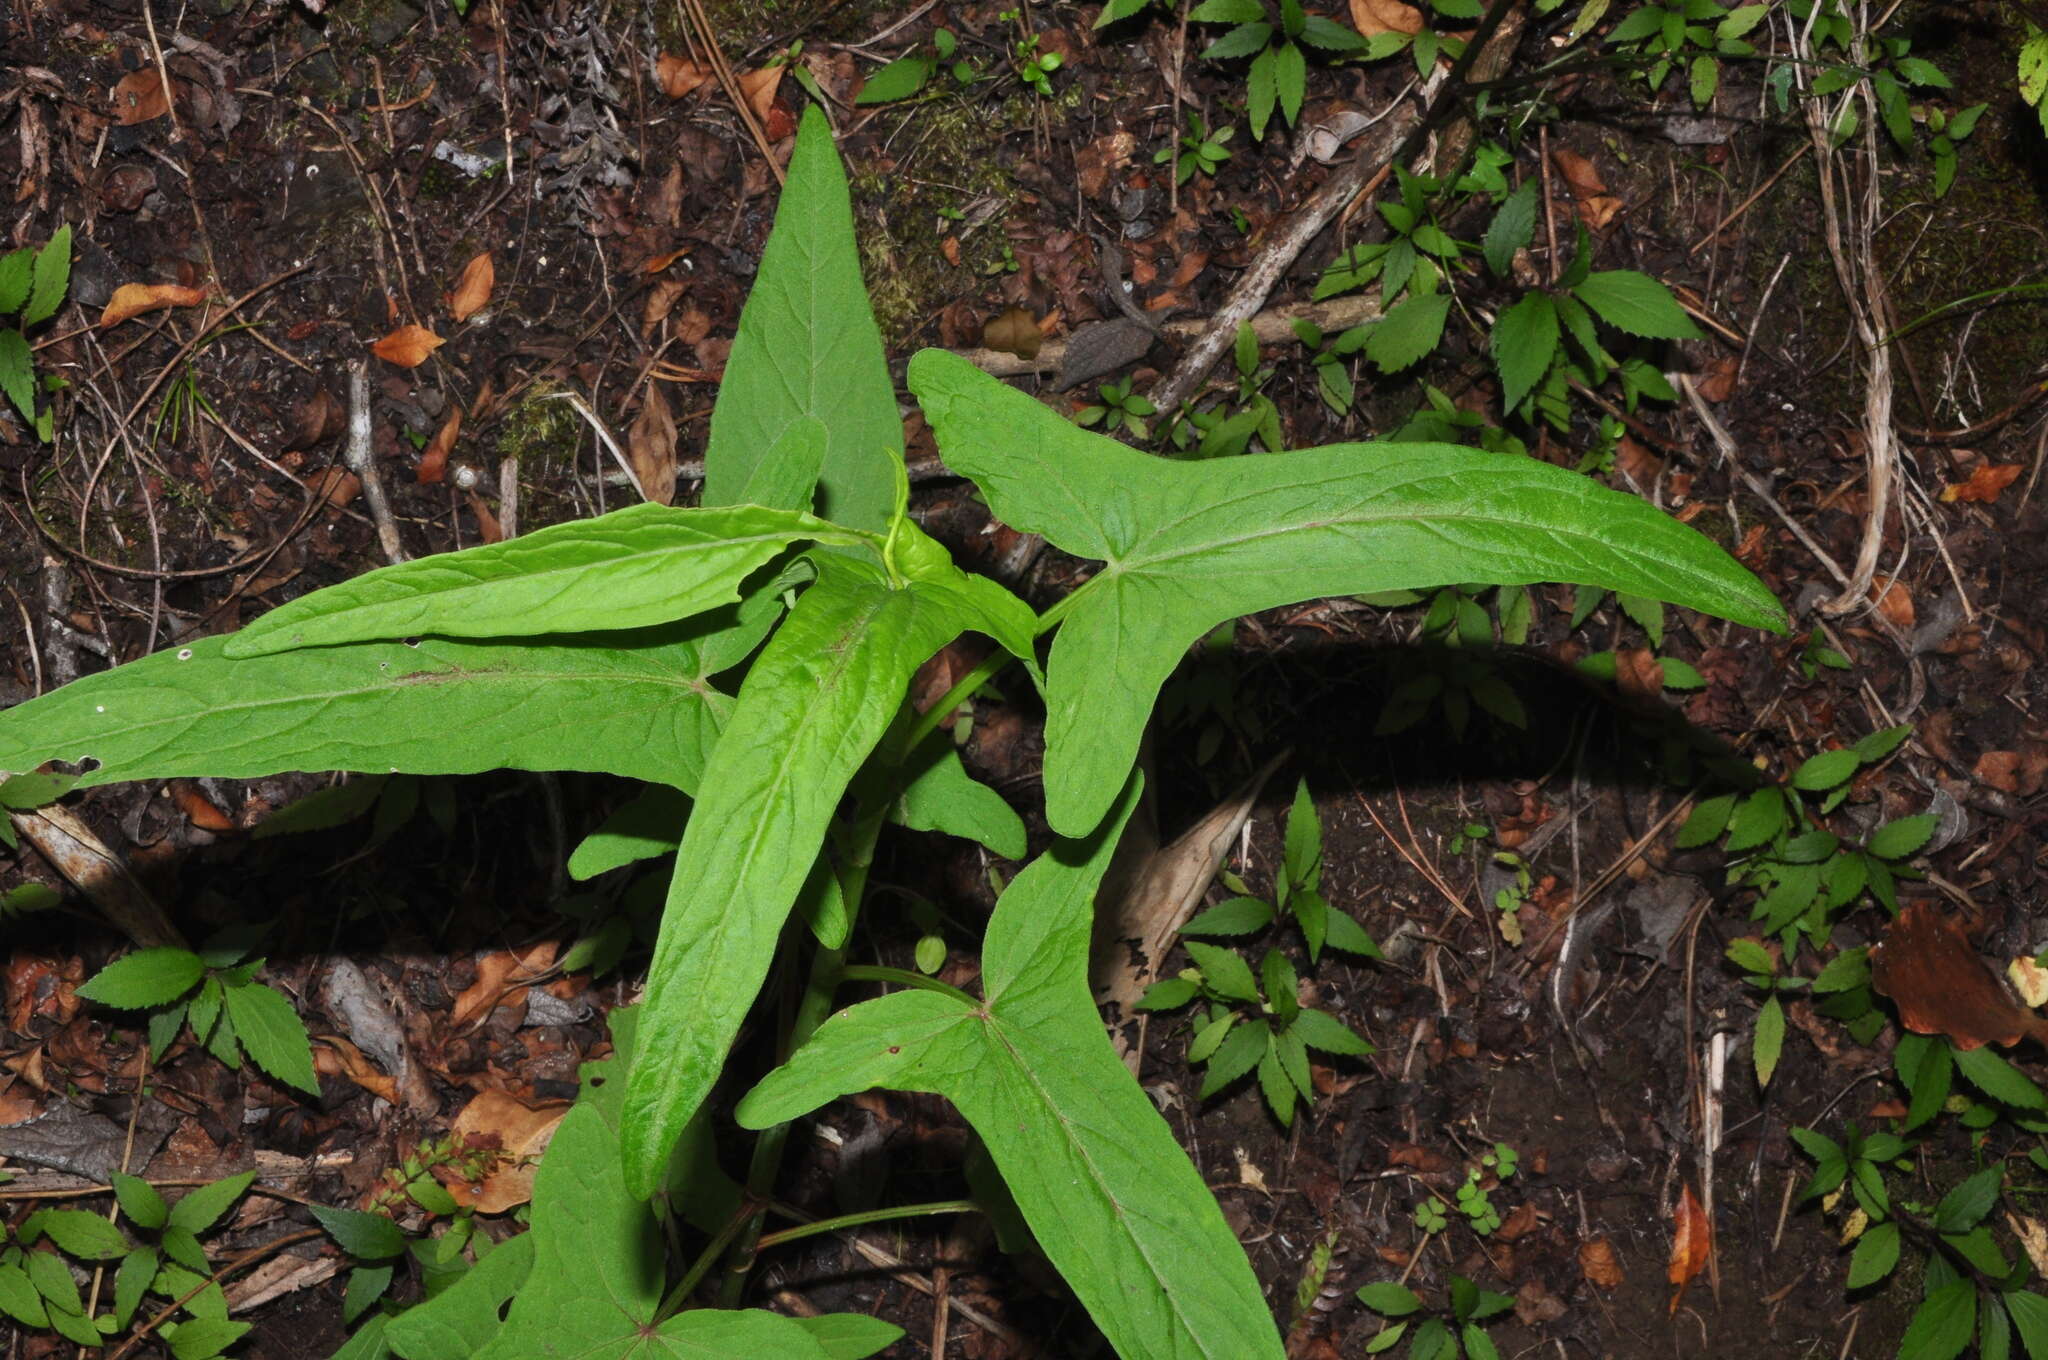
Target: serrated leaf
column 1113, row 1200
column 1168, row 995
column 1409, row 330
column 1942, row 1324
column 1327, row 1034
column 1999, row 1079
column 1524, row 342
column 808, row 346
column 1760, row 816
column 85, row 1235
column 17, row 372
column 52, row 275
column 139, row 1200
column 145, row 978
column 634, row 704
column 201, row 1208
column 1224, row 970
column 18, row 1297
column 2033, row 70
column 1904, row 837
column 204, row 1338
column 131, row 1282
column 1965, row 1206
column 1750, row 955
column 272, row 1033
column 2029, row 1314
column 1708, row 819
column 1301, row 855
column 1637, row 304
column 1238, row 916
column 1512, row 229
column 15, row 267
column 1826, row 770
column 1188, row 545
column 1877, row 1251
column 634, row 568
column 813, row 706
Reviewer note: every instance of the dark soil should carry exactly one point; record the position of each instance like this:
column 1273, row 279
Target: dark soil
column 327, row 177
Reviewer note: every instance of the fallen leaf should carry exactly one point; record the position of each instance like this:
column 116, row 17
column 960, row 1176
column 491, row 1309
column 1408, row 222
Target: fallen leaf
column 2033, row 1236
column 651, row 447
column 199, row 809
column 521, row 1131
column 1598, row 1264
column 336, row 485
column 1248, row 1173
column 1893, row 602
column 758, row 88
column 1578, row 172
column 1639, row 674
column 487, row 526
column 434, row 457
column 1014, row 332
column 1928, row 968
column 138, row 97
column 2028, row 979
column 500, row 976
column 473, row 290
column 319, row 417
column 131, row 300
column 1374, row 17
column 1718, row 382
column 408, row 346
column 679, row 75
column 1100, row 159
column 661, row 262
column 1986, row 482
column 1999, row 769
column 337, row 1057
column 1692, row 1242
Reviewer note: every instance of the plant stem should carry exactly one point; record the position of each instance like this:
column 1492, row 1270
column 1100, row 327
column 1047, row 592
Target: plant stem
column 874, row 972
column 822, row 1225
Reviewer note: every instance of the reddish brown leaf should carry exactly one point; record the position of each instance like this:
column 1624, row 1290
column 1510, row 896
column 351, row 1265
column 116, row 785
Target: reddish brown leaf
column 199, row 809
column 1893, row 602
column 139, row 97
column 434, row 458
column 522, row 1131
column 1692, row 1242
column 131, row 300
column 1014, row 332
column 1931, row 973
column 1598, row 1263
column 337, row 1057
column 1987, row 481
column 408, row 346
column 473, row 290
column 499, row 982
column 758, row 88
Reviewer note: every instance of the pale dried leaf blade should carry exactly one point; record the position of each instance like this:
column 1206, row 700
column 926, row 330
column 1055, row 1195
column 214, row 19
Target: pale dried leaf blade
column 522, row 1131
column 678, row 76
column 1164, row 895
column 138, row 97
column 473, row 290
column 651, row 445
column 131, row 300
column 1374, row 17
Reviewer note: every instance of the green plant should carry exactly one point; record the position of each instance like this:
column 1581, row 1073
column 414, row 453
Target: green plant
column 908, row 74
column 1200, row 150
column 600, row 645
column 1229, row 428
column 163, row 1256
column 32, row 287
column 1249, row 1027
column 214, row 991
column 1802, row 872
column 1116, row 405
column 1331, row 357
column 1760, row 970
column 1278, row 77
column 1297, row 895
column 1032, row 66
column 1676, row 36
column 1460, row 1331
column 2033, row 72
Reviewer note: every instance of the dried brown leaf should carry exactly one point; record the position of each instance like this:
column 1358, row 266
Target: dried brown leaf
column 408, row 346
column 473, row 290
column 434, row 458
column 1987, row 481
column 1929, row 969
column 1373, row 17
column 131, row 300
column 1692, row 1242
column 651, row 447
column 138, row 97
column 679, row 75
column 1598, row 1263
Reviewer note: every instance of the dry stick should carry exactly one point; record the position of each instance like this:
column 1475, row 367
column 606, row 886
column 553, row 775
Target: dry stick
column 695, row 17
column 360, row 459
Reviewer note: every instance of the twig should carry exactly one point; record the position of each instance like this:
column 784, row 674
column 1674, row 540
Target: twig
column 360, row 459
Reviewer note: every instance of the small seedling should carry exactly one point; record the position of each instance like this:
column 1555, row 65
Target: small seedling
column 1297, row 894
column 32, row 286
column 907, row 75
column 1458, row 1331
column 214, row 991
column 1117, row 406
column 1200, row 150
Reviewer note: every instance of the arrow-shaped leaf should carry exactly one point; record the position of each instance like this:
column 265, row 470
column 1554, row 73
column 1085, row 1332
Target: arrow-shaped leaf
column 821, row 695
column 635, row 704
column 633, row 568
column 1106, row 1189
column 1188, row 545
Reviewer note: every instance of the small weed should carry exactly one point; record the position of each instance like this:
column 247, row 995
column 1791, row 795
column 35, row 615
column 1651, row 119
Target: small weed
column 32, row 287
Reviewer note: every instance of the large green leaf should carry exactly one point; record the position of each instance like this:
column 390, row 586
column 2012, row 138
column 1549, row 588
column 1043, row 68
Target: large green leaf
column 597, row 1276
column 1188, row 545
column 814, row 705
column 808, row 346
column 644, row 565
column 1108, row 1192
column 635, row 704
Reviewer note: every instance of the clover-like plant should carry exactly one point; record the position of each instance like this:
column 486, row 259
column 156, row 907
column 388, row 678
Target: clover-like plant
column 610, row 644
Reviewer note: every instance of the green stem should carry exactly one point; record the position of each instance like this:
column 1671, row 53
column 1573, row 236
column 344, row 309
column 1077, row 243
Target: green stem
column 673, row 1302
column 828, row 968
column 824, row 1225
column 902, row 977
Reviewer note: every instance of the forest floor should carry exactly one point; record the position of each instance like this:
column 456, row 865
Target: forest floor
column 1556, row 980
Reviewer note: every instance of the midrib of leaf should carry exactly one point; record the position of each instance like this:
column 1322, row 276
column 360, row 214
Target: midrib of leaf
column 1095, row 1175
